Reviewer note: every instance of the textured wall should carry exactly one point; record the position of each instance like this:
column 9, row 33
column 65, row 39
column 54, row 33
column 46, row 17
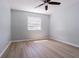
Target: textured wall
column 65, row 24
column 19, row 26
column 4, row 24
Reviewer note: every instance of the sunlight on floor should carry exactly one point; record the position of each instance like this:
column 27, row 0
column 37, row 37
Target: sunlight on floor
column 40, row 41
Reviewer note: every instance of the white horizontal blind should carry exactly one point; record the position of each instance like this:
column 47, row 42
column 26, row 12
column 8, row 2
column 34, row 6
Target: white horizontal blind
column 34, row 23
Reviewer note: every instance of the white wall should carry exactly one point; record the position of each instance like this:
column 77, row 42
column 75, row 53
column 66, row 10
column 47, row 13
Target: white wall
column 4, row 24
column 65, row 24
column 19, row 26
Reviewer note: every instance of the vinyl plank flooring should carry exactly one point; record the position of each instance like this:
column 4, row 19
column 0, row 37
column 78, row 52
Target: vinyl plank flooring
column 41, row 49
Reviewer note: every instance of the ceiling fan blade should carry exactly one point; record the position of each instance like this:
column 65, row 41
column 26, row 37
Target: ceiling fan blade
column 39, row 5
column 46, row 7
column 48, row 0
column 54, row 3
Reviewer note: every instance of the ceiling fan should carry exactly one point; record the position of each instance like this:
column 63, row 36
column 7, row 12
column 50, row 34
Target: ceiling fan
column 47, row 2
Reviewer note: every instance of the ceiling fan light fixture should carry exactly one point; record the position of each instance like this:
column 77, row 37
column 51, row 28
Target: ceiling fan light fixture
column 46, row 7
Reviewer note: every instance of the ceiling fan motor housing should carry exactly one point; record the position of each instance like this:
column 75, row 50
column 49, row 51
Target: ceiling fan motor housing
column 46, row 7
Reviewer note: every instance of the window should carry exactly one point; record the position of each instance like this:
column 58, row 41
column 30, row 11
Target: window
column 34, row 23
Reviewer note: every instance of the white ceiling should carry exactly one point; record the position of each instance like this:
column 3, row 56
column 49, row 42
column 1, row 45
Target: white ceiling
column 29, row 5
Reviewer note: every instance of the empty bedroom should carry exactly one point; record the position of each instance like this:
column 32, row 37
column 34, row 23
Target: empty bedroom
column 39, row 28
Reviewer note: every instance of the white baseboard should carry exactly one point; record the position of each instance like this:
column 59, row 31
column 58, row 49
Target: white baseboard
column 21, row 40
column 28, row 39
column 25, row 40
column 69, row 43
column 5, row 49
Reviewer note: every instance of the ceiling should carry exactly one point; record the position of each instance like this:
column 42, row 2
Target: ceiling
column 29, row 5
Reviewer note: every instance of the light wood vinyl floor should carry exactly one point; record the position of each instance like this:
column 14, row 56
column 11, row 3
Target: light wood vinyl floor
column 42, row 49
